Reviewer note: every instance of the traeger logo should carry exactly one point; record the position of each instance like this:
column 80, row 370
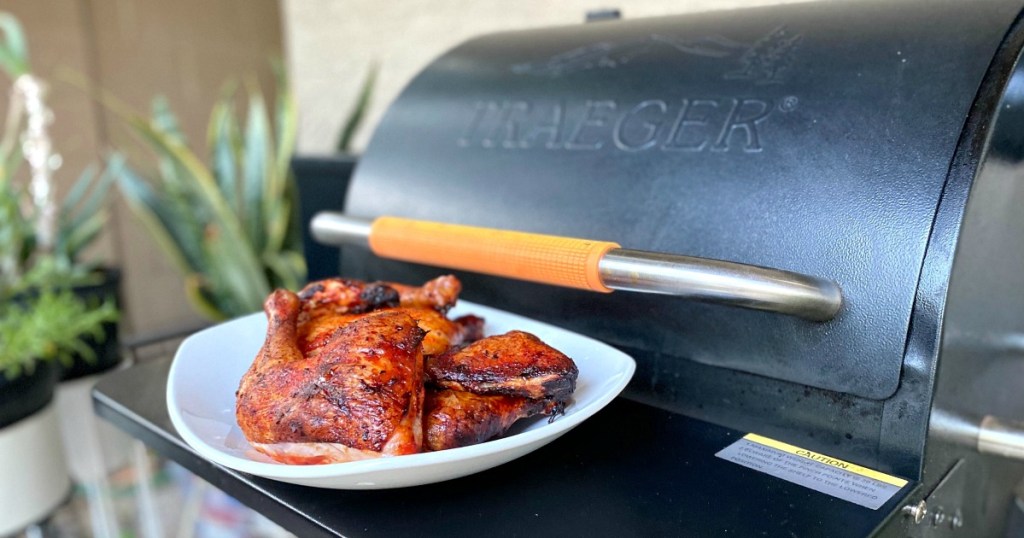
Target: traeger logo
column 688, row 124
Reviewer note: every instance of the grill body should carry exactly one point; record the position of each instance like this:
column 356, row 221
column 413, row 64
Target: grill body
column 875, row 144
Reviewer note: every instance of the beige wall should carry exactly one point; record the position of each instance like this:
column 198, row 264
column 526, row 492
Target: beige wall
column 330, row 45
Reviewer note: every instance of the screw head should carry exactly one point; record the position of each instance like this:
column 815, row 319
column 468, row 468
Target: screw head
column 916, row 511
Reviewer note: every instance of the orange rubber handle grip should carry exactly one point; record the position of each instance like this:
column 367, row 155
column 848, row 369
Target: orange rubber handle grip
column 548, row 259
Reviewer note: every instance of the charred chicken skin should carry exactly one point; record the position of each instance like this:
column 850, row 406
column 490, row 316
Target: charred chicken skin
column 455, row 418
column 516, row 363
column 342, row 374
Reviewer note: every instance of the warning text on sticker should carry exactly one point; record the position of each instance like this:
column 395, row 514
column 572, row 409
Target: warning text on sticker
column 823, row 459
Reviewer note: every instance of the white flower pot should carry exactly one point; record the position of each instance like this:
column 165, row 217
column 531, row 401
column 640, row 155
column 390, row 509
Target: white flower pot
column 34, row 478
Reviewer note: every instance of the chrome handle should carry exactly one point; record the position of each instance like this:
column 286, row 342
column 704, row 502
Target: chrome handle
column 1001, row 438
column 702, row 279
column 988, row 435
column 716, row 281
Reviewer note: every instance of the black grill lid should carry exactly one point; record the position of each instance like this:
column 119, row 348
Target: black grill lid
column 814, row 138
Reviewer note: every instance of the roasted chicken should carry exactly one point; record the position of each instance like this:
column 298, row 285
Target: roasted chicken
column 341, row 375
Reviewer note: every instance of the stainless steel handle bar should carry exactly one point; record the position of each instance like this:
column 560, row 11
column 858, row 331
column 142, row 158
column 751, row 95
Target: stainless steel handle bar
column 702, row 279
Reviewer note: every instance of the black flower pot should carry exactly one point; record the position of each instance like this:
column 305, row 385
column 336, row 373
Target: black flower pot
column 28, row 393
column 107, row 348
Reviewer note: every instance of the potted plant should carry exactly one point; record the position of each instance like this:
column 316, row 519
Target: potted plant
column 230, row 226
column 42, row 320
column 65, row 228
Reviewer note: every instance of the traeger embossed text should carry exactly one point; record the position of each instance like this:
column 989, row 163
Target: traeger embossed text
column 684, row 125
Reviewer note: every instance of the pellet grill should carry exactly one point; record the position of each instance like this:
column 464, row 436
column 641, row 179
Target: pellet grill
column 874, row 147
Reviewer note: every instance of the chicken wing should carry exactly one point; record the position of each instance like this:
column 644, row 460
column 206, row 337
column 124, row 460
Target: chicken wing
column 453, row 418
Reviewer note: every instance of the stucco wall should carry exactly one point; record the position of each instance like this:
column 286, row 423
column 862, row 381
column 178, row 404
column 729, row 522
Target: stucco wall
column 330, row 45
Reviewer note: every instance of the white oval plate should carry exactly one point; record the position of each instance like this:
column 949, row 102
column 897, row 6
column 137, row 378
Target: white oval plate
column 209, row 364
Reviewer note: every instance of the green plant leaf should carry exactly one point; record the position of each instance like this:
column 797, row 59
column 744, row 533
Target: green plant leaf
column 82, row 220
column 277, row 217
column 165, row 121
column 220, row 138
column 147, row 208
column 223, row 219
column 231, row 276
column 257, row 180
column 196, row 294
column 232, row 221
column 286, row 119
column 14, row 48
column 47, row 325
column 81, row 234
column 182, row 209
column 79, row 188
column 355, row 118
column 95, row 203
column 289, row 268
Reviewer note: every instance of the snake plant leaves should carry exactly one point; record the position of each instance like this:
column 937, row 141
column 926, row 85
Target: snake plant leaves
column 348, row 131
column 223, row 220
column 83, row 211
column 286, row 119
column 257, row 172
column 224, row 140
column 158, row 219
column 230, row 225
column 201, row 298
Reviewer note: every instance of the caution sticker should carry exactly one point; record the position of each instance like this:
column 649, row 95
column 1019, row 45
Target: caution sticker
column 828, row 475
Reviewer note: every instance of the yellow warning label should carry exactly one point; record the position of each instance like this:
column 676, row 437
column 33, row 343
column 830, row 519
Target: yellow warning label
column 827, row 460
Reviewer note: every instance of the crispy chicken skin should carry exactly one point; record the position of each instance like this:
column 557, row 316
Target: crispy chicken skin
column 454, row 418
column 361, row 393
column 441, row 333
column 516, row 363
column 330, row 303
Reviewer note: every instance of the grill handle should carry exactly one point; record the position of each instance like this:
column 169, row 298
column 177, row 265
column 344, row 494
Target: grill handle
column 579, row 263
column 988, row 435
